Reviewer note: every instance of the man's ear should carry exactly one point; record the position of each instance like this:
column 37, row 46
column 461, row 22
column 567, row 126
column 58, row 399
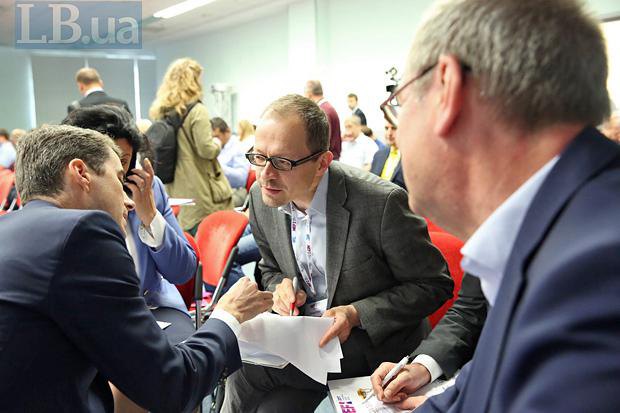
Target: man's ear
column 78, row 174
column 325, row 160
column 451, row 78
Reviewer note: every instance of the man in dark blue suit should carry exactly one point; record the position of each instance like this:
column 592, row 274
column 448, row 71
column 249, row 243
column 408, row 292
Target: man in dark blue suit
column 496, row 129
column 71, row 316
column 386, row 162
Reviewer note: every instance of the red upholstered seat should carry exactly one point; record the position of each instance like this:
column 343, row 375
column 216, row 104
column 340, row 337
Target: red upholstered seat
column 450, row 246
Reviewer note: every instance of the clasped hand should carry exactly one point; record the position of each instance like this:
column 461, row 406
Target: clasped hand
column 411, row 378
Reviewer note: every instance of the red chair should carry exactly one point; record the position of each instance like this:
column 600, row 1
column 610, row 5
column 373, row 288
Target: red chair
column 187, row 289
column 175, row 210
column 7, row 181
column 217, row 238
column 251, row 179
column 450, row 246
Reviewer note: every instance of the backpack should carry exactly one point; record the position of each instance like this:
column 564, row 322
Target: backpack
column 162, row 136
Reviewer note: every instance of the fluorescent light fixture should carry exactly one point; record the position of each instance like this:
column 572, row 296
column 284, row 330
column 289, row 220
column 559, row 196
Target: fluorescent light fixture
column 181, row 8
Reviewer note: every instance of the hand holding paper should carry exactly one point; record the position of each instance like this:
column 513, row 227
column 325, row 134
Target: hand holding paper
column 345, row 318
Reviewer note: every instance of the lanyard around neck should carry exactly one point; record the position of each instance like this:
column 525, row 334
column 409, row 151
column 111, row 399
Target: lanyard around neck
column 306, row 271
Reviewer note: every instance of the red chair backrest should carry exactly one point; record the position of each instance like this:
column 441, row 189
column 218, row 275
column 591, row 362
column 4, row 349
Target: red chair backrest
column 432, row 227
column 175, row 210
column 251, row 179
column 187, row 289
column 7, row 180
column 217, row 234
column 450, row 246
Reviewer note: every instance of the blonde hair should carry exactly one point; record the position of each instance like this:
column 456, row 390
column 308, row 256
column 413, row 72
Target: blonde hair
column 246, row 129
column 181, row 87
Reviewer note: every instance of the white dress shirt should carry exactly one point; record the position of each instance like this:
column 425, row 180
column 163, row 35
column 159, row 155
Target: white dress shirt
column 358, row 152
column 314, row 219
column 486, row 253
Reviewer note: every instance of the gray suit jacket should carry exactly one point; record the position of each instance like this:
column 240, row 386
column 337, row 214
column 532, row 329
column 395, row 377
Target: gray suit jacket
column 379, row 259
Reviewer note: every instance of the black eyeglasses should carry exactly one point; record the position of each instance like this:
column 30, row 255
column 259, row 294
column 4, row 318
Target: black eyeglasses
column 281, row 164
column 391, row 106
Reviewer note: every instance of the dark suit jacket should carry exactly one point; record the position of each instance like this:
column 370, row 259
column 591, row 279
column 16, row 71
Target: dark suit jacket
column 335, row 138
column 378, row 162
column 70, row 308
column 453, row 340
column 358, row 112
column 98, row 98
column 552, row 340
column 379, row 259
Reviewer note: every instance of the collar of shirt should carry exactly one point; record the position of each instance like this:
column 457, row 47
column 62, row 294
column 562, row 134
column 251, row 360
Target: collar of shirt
column 321, row 101
column 93, row 90
column 318, row 205
column 486, row 252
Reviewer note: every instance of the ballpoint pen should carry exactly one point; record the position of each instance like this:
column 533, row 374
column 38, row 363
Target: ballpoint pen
column 391, row 374
column 295, row 287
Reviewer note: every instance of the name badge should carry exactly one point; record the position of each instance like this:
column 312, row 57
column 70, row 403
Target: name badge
column 316, row 309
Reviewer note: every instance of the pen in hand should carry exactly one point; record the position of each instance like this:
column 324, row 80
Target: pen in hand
column 391, row 374
column 295, row 288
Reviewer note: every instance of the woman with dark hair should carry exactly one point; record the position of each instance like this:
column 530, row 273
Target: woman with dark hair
column 161, row 253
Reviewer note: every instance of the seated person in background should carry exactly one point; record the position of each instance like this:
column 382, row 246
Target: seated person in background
column 357, row 148
column 368, row 132
column 70, row 297
column 16, row 135
column 232, row 159
column 361, row 257
column 386, row 162
column 611, row 128
column 449, row 347
column 245, row 130
column 7, row 151
column 162, row 255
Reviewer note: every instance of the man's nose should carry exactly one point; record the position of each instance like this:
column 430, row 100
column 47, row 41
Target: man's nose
column 129, row 204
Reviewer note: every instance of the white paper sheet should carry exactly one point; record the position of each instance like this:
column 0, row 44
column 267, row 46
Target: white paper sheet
column 294, row 339
column 181, row 201
column 346, row 397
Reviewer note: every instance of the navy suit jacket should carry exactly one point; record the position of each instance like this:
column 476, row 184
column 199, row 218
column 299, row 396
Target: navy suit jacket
column 551, row 343
column 172, row 263
column 378, row 162
column 70, row 308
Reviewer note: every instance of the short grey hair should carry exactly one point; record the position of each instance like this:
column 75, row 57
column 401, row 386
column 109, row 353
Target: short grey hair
column 313, row 118
column 354, row 119
column 538, row 62
column 44, row 153
column 315, row 87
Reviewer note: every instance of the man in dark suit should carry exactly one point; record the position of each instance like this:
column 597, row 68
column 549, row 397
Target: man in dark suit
column 318, row 221
column 314, row 91
column 386, row 162
column 502, row 151
column 90, row 85
column 355, row 110
column 71, row 315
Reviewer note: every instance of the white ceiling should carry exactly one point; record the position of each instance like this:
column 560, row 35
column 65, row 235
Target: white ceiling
column 211, row 17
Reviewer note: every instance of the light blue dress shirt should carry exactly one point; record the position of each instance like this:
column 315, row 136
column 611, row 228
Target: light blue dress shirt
column 233, row 162
column 7, row 154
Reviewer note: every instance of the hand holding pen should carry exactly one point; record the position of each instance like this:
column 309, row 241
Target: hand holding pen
column 287, row 298
column 392, row 383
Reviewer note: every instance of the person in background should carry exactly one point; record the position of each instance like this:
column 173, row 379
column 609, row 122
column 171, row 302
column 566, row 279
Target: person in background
column 7, row 150
column 232, row 159
column 357, row 148
column 355, row 110
column 70, row 295
column 368, row 132
column 198, row 174
column 16, row 135
column 90, row 85
column 500, row 148
column 245, row 130
column 314, row 92
column 386, row 162
column 611, row 128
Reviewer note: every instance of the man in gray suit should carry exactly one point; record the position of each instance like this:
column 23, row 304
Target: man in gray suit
column 360, row 256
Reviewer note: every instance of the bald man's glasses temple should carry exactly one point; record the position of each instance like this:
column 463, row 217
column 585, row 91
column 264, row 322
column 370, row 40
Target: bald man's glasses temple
column 391, row 106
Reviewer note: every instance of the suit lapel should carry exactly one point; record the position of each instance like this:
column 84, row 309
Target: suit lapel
column 283, row 229
column 397, row 171
column 337, row 223
column 585, row 156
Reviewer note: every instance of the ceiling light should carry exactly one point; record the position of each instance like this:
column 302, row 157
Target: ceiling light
column 181, row 8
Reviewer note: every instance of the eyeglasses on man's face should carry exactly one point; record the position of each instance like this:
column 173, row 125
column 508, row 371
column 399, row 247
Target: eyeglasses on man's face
column 278, row 162
column 391, row 106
